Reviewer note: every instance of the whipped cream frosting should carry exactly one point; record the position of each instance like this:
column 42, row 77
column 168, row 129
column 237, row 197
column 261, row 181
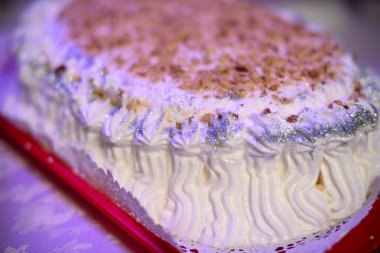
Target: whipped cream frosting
column 231, row 181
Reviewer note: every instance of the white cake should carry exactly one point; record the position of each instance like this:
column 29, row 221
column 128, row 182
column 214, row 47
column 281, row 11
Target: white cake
column 232, row 126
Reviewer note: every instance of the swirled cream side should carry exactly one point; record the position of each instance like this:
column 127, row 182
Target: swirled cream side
column 231, row 178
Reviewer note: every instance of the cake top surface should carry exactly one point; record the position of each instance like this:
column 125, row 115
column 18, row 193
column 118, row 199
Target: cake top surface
column 215, row 45
column 188, row 59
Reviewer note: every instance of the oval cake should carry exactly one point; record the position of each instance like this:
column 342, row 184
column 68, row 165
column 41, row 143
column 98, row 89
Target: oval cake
column 231, row 124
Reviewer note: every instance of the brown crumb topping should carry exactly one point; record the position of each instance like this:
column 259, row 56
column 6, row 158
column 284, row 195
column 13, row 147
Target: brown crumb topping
column 266, row 111
column 286, row 101
column 190, row 120
column 60, row 70
column 292, row 119
column 99, row 93
column 337, row 102
column 116, row 100
column 207, row 118
column 235, row 115
column 212, row 45
column 137, row 105
column 358, row 87
column 178, row 125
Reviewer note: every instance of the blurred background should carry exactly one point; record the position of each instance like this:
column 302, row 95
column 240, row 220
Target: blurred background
column 355, row 23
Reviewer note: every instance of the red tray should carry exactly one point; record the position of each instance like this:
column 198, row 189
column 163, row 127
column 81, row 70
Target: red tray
column 363, row 238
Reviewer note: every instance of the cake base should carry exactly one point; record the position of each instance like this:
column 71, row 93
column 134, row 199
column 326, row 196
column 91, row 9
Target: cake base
column 361, row 228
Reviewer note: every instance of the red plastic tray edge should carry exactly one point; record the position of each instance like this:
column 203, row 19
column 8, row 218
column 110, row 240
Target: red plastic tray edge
column 27, row 145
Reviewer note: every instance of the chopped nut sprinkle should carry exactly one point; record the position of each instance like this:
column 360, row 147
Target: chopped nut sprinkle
column 235, row 115
column 273, row 87
column 178, row 125
column 286, row 101
column 99, row 93
column 241, row 68
column 266, row 111
column 201, row 45
column 206, row 118
column 358, row 87
column 60, row 70
column 337, row 102
column 137, row 104
column 292, row 119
